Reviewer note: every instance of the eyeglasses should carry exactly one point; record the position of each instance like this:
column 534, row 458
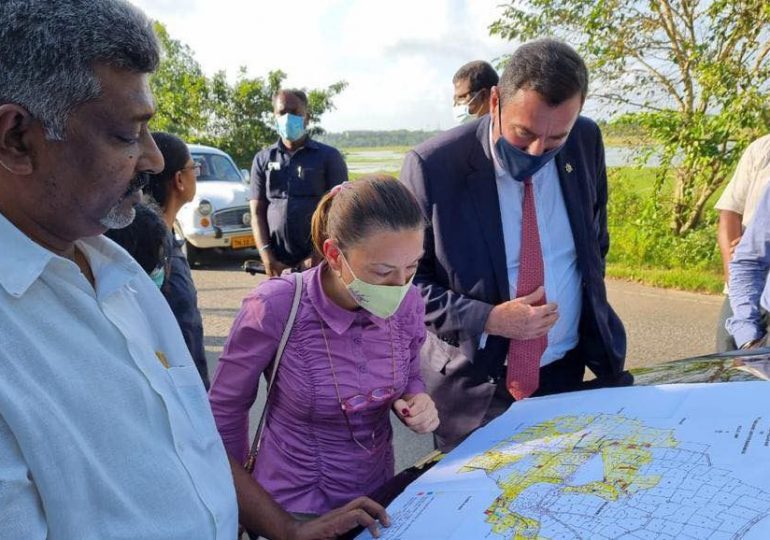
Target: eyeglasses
column 359, row 401
column 467, row 97
column 195, row 168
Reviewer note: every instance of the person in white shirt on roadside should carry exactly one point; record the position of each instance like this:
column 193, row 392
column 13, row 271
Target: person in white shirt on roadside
column 736, row 209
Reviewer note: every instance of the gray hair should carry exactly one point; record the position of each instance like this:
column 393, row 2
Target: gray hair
column 48, row 50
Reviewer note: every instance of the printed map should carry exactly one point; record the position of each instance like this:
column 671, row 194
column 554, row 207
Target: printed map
column 679, row 461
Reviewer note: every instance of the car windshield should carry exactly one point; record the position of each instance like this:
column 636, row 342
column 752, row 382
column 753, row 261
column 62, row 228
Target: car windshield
column 216, row 167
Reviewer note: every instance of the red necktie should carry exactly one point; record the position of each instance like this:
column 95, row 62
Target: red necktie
column 522, row 377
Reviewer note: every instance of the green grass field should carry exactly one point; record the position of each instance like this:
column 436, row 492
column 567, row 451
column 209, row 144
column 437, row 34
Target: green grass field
column 358, row 149
column 701, row 281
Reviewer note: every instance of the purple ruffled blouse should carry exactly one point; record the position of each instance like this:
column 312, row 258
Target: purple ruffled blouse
column 308, row 460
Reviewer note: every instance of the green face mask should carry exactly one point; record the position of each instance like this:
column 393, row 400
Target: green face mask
column 380, row 300
column 158, row 276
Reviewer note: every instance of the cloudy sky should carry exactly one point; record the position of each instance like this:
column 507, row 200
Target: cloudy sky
column 398, row 56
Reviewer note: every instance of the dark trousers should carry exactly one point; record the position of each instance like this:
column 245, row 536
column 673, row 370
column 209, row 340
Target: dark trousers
column 725, row 341
column 564, row 375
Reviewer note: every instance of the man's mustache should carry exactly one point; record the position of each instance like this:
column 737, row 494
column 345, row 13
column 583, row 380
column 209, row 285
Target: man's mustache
column 140, row 181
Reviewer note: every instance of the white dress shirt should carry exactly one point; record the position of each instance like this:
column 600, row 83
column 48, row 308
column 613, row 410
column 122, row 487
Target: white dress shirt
column 105, row 428
column 561, row 274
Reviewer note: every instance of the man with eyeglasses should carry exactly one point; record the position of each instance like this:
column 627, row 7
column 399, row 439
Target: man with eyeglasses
column 473, row 83
column 105, row 429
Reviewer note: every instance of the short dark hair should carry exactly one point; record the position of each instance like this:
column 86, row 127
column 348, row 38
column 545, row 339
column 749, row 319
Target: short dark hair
column 548, row 66
column 175, row 155
column 480, row 75
column 144, row 238
column 297, row 93
column 375, row 202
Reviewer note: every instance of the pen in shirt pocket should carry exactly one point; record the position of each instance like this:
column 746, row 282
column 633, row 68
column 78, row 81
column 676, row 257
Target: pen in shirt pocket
column 162, row 359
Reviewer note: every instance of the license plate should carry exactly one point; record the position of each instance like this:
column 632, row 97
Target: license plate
column 241, row 242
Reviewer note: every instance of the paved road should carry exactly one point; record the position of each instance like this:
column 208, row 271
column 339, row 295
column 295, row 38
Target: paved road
column 661, row 325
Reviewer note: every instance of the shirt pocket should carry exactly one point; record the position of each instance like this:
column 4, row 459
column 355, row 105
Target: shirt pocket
column 189, row 387
column 277, row 183
column 309, row 182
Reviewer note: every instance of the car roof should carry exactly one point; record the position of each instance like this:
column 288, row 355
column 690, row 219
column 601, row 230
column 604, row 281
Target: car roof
column 203, row 149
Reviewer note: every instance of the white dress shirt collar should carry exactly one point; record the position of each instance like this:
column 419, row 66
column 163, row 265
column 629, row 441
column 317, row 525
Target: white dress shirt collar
column 114, row 266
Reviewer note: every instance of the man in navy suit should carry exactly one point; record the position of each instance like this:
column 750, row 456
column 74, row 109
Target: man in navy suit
column 490, row 324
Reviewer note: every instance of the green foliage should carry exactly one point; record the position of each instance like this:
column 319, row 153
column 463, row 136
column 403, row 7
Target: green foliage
column 180, row 88
column 641, row 244
column 625, row 134
column 241, row 122
column 695, row 73
column 685, row 279
column 235, row 117
column 321, row 101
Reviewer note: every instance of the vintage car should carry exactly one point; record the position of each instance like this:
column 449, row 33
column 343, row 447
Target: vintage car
column 218, row 217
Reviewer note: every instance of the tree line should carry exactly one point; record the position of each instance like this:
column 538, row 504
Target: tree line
column 693, row 76
column 376, row 138
column 233, row 116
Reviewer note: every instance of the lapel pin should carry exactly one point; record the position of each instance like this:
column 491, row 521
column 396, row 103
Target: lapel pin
column 568, row 167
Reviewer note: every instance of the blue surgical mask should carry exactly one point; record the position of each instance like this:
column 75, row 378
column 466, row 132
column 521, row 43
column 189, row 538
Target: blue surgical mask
column 462, row 114
column 518, row 163
column 461, row 111
column 158, row 276
column 290, row 126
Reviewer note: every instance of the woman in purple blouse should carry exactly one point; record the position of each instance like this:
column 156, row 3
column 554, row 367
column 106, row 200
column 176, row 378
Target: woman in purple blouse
column 353, row 354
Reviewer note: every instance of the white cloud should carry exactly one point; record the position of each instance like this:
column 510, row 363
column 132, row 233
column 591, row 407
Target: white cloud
column 397, row 56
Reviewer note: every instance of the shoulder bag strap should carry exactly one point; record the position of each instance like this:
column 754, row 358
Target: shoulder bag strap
column 249, row 465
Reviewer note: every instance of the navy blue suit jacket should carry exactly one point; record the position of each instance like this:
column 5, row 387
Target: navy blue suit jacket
column 463, row 273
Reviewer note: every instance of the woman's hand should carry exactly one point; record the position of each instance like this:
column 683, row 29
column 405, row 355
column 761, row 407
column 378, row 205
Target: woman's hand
column 417, row 412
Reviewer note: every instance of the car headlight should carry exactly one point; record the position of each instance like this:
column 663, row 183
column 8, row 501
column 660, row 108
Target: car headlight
column 205, row 208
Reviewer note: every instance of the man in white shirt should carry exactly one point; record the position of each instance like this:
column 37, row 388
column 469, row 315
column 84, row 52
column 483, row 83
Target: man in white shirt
column 105, row 430
column 736, row 209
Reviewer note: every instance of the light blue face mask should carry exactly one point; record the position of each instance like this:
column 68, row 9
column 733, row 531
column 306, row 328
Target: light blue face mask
column 290, row 127
column 158, row 276
column 462, row 112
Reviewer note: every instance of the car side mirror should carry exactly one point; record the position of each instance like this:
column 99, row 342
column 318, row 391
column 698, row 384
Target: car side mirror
column 246, row 176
